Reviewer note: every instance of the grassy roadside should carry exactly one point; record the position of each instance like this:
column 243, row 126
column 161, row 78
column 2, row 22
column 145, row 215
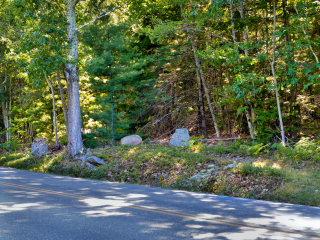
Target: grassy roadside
column 238, row 170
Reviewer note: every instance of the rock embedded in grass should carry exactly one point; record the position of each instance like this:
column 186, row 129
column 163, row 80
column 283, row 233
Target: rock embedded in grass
column 131, row 140
column 230, row 166
column 95, row 160
column 180, row 138
column 39, row 147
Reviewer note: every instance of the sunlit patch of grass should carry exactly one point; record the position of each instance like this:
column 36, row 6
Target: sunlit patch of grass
column 254, row 169
column 301, row 187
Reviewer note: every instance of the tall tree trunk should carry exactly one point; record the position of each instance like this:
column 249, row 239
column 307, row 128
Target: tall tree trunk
column 245, row 34
column 201, row 107
column 274, row 73
column 63, row 101
column 75, row 143
column 54, row 109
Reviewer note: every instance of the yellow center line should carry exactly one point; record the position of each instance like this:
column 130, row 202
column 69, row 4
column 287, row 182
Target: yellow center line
column 163, row 211
column 44, row 190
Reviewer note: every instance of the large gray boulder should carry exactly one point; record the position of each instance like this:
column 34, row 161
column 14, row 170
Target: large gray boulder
column 39, row 147
column 131, row 140
column 95, row 160
column 180, row 138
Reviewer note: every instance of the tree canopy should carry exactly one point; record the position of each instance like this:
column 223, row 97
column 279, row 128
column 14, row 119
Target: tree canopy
column 221, row 68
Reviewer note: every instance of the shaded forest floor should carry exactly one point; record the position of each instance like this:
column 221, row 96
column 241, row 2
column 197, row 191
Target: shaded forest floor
column 236, row 169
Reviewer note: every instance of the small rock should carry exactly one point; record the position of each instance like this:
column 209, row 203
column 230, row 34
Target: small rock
column 131, row 140
column 230, row 166
column 95, row 160
column 90, row 165
column 39, row 147
column 211, row 166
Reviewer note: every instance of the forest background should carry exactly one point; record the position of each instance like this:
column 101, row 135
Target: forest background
column 221, row 68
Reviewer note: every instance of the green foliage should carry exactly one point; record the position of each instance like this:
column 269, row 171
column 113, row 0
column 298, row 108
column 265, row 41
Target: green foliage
column 305, row 149
column 121, row 81
column 257, row 148
column 248, row 169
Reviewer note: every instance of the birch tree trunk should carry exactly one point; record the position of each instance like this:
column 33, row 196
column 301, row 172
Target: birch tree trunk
column 63, row 101
column 75, row 143
column 274, row 73
column 54, row 109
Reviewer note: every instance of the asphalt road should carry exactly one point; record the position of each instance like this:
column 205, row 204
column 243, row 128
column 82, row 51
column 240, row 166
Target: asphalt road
column 42, row 206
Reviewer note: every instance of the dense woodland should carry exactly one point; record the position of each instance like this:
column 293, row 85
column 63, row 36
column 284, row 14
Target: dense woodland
column 86, row 73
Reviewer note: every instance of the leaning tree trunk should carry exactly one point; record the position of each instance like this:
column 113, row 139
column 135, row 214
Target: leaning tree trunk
column 54, row 109
column 75, row 143
column 201, row 108
column 274, row 74
column 204, row 82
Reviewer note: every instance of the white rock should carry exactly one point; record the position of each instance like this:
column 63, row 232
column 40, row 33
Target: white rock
column 39, row 147
column 131, row 140
column 180, row 138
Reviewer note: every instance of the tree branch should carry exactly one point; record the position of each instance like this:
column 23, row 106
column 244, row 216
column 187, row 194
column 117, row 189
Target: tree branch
column 101, row 16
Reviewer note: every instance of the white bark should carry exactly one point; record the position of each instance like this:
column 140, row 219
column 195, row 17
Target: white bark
column 274, row 73
column 75, row 143
column 251, row 129
column 54, row 109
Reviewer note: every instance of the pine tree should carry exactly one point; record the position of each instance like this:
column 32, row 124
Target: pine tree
column 121, row 80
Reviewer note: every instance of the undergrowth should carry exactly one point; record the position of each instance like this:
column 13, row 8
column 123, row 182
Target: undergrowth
column 267, row 172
